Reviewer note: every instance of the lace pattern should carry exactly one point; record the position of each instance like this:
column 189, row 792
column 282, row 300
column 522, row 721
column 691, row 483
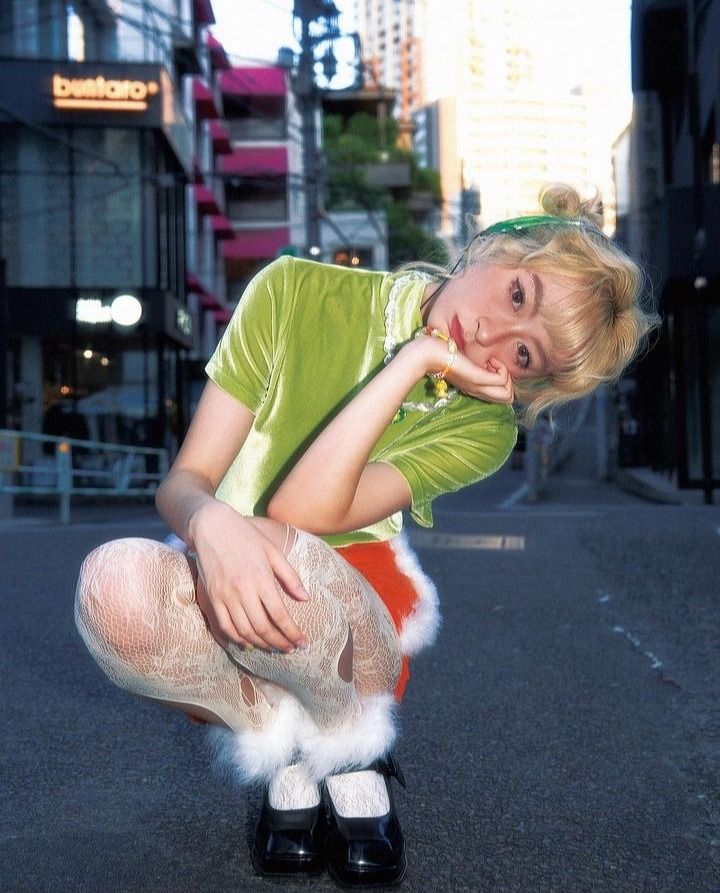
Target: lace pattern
column 137, row 613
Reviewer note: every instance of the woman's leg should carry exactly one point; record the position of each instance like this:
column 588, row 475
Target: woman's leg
column 135, row 609
column 137, row 612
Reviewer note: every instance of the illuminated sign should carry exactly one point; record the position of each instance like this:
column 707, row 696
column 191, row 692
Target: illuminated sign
column 125, row 310
column 183, row 321
column 102, row 93
column 92, row 310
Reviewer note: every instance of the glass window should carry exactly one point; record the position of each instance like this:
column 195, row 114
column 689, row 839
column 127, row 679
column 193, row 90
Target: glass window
column 108, row 209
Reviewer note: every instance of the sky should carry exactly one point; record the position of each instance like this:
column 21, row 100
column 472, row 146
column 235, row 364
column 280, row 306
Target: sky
column 578, row 41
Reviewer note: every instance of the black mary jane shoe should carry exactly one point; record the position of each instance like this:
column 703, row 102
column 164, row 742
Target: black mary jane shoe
column 368, row 852
column 289, row 841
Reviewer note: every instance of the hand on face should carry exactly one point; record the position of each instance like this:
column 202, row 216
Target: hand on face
column 491, row 382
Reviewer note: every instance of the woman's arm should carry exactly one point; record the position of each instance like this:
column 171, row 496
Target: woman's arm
column 239, row 567
column 332, row 488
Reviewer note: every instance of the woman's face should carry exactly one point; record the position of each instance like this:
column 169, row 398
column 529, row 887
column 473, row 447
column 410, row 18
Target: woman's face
column 493, row 311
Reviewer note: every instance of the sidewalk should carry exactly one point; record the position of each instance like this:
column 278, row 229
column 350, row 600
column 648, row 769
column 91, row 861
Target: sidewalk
column 659, row 488
column 46, row 513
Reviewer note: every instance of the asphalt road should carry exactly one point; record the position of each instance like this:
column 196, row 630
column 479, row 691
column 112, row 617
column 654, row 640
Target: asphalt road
column 562, row 736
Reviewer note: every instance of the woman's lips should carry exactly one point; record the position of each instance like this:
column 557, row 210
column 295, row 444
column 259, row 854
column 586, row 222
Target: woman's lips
column 457, row 334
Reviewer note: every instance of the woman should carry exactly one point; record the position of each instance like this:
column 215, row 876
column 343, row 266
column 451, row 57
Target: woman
column 338, row 398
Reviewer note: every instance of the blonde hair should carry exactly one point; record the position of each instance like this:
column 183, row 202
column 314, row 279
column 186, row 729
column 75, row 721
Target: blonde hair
column 597, row 332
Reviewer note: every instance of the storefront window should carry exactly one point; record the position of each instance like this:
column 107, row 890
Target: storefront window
column 35, row 196
column 108, row 208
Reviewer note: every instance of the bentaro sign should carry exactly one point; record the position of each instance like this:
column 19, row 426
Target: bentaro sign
column 102, row 93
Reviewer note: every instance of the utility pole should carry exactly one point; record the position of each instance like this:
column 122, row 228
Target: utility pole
column 319, row 24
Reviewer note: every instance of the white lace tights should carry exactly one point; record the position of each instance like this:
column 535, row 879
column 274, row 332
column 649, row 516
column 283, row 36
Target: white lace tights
column 136, row 610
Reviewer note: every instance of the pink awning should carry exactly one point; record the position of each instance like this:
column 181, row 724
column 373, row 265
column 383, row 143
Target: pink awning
column 204, row 100
column 209, row 302
column 196, row 176
column 257, row 162
column 223, row 315
column 218, row 55
column 221, row 227
column 194, row 284
column 220, row 138
column 205, row 200
column 256, row 244
column 253, row 82
column 204, row 14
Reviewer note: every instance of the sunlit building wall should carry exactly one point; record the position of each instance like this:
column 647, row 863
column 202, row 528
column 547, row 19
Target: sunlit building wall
column 514, row 128
column 392, row 51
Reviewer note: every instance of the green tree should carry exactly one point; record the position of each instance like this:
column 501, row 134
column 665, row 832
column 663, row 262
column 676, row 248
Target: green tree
column 362, row 140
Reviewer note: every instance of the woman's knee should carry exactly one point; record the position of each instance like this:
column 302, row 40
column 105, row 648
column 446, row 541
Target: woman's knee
column 117, row 586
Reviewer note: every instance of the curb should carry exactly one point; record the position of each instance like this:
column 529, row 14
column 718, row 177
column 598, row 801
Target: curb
column 638, row 486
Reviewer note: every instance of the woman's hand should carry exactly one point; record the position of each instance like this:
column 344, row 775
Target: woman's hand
column 491, row 382
column 240, row 571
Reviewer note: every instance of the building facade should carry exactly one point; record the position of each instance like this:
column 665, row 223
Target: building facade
column 500, row 133
column 261, row 174
column 107, row 258
column 391, row 36
column 674, row 228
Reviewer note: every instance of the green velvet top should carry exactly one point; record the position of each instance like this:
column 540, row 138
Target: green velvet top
column 304, row 339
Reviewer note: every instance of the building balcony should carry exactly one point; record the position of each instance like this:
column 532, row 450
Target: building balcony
column 205, row 199
column 206, row 298
column 257, row 129
column 264, row 210
column 255, row 162
column 204, row 100
column 256, row 244
column 220, row 137
column 222, row 228
column 245, row 82
column 389, row 175
column 218, row 56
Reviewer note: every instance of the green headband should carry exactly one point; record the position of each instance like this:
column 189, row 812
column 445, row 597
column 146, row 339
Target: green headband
column 517, row 224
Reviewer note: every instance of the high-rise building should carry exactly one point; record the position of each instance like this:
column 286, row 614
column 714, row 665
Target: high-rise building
column 510, row 134
column 391, row 36
column 491, row 76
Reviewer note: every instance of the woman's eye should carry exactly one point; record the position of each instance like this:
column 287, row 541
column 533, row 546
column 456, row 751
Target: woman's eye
column 517, row 295
column 523, row 356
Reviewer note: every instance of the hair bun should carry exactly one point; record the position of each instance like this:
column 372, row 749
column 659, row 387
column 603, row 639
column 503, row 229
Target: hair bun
column 563, row 200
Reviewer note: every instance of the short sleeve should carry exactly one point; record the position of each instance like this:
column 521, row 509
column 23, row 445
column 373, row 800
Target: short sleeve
column 443, row 455
column 243, row 360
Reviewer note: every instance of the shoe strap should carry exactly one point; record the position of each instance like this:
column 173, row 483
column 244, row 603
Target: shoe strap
column 389, row 767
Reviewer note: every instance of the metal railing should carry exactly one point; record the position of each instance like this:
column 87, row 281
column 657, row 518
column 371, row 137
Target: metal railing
column 76, row 468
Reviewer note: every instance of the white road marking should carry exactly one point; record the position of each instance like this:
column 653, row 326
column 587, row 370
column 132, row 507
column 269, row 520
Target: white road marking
column 470, row 541
column 635, row 641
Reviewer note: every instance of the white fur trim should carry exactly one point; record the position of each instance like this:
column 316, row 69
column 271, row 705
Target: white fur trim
column 419, row 629
column 257, row 755
column 350, row 747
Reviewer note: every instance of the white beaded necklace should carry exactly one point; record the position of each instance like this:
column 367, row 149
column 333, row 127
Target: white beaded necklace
column 390, row 344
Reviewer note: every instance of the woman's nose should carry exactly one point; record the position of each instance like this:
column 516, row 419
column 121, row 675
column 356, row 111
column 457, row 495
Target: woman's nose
column 488, row 331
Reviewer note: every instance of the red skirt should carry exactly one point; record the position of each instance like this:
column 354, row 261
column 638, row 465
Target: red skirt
column 377, row 562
